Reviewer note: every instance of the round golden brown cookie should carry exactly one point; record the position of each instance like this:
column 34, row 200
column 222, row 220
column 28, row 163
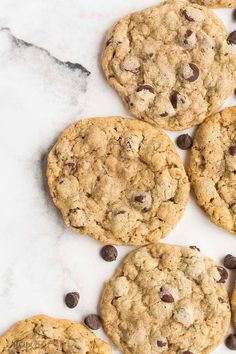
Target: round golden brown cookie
column 171, row 64
column 233, row 305
column 117, row 180
column 166, row 299
column 45, row 335
column 216, row 3
column 212, row 168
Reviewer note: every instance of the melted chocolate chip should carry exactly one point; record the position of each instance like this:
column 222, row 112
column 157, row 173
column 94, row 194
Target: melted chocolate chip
column 161, row 344
column 232, row 38
column 230, row 261
column 189, row 18
column 223, row 275
column 195, row 73
column 174, row 98
column 93, row 321
column 167, row 298
column 109, row 41
column 195, row 248
column 164, row 114
column 232, row 150
column 184, row 141
column 109, row 253
column 231, row 341
column 139, row 198
column 146, row 87
column 72, row 299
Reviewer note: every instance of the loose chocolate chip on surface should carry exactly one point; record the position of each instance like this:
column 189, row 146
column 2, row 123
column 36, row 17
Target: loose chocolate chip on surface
column 167, row 298
column 234, row 14
column 195, row 248
column 146, row 87
column 195, row 73
column 230, row 261
column 231, row 341
column 184, row 141
column 72, row 299
column 189, row 18
column 232, row 38
column 223, row 275
column 109, row 253
column 232, row 150
column 93, row 321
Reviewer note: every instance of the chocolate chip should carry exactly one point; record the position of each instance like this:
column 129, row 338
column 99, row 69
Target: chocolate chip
column 120, row 212
column 174, row 98
column 164, row 114
column 232, row 150
column 161, row 344
column 231, row 341
column 223, row 275
column 234, row 14
column 110, row 40
column 187, row 34
column 139, row 198
column 146, row 87
column 189, row 18
column 195, row 248
column 232, row 38
column 195, row 73
column 109, row 253
column 72, row 299
column 230, row 261
column 184, row 141
column 93, row 321
column 187, row 352
column 167, row 298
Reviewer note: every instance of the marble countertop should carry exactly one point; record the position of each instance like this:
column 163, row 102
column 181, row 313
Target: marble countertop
column 40, row 260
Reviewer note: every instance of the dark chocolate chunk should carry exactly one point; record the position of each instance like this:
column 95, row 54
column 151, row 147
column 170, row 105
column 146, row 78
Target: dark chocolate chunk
column 109, row 253
column 184, row 141
column 232, row 150
column 223, row 274
column 174, row 98
column 195, row 248
column 189, row 18
column 72, row 299
column 232, row 38
column 231, row 341
column 230, row 261
column 195, row 73
column 167, row 298
column 93, row 321
column 146, row 87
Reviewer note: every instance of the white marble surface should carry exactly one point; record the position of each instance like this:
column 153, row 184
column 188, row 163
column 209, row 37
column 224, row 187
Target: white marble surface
column 40, row 260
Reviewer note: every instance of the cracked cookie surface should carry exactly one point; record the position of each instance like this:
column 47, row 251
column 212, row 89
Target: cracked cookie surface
column 233, row 306
column 166, row 299
column 45, row 335
column 215, row 3
column 171, row 64
column 118, row 180
column 212, row 168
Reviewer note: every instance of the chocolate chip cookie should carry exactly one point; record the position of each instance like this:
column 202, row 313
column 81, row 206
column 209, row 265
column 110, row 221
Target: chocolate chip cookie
column 45, row 335
column 171, row 64
column 166, row 298
column 212, row 168
column 233, row 305
column 117, row 180
column 215, row 3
